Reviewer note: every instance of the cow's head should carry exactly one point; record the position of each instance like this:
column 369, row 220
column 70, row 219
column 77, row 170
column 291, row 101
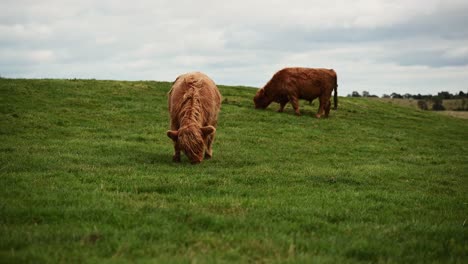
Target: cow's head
column 191, row 140
column 261, row 101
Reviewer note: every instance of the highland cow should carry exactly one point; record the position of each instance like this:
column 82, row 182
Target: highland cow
column 194, row 103
column 292, row 84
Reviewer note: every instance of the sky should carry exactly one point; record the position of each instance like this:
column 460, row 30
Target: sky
column 402, row 46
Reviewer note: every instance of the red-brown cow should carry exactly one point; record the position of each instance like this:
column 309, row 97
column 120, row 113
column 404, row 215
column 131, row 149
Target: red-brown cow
column 194, row 104
column 292, row 84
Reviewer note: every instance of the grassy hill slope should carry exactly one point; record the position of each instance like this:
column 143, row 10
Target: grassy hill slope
column 87, row 176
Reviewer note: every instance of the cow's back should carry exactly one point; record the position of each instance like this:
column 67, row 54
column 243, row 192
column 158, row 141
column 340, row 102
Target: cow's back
column 317, row 82
column 195, row 86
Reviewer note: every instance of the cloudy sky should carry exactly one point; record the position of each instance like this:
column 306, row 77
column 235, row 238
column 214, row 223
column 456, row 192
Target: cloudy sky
column 415, row 46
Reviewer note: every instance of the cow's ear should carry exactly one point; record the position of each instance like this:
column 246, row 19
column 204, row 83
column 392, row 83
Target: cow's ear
column 208, row 130
column 173, row 134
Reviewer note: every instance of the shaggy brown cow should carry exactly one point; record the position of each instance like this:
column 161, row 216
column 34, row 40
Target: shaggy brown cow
column 292, row 84
column 194, row 103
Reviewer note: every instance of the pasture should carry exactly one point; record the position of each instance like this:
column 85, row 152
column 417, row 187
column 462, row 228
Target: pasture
column 87, row 176
column 452, row 106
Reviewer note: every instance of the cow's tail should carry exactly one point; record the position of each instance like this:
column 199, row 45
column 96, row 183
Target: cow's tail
column 335, row 96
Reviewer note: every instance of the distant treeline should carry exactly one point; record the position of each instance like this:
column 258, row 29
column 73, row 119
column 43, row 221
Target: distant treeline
column 441, row 101
column 440, row 95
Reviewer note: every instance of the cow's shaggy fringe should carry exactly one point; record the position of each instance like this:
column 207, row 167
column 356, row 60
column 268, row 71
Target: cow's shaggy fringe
column 192, row 141
column 191, row 118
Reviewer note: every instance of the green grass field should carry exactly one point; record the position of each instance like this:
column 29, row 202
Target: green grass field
column 87, row 176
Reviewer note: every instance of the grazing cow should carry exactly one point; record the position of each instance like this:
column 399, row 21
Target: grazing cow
column 194, row 103
column 292, row 84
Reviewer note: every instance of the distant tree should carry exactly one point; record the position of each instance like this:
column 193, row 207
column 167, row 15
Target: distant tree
column 407, row 96
column 422, row 104
column 445, row 95
column 418, row 96
column 365, row 94
column 373, row 95
column 355, row 94
column 462, row 94
column 463, row 106
column 395, row 95
column 385, row 96
column 437, row 106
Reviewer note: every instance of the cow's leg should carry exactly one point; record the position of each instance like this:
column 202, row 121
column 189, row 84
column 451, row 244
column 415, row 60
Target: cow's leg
column 321, row 110
column 295, row 104
column 176, row 157
column 282, row 105
column 209, row 149
column 327, row 108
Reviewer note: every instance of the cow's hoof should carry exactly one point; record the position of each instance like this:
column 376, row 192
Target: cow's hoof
column 176, row 159
column 208, row 156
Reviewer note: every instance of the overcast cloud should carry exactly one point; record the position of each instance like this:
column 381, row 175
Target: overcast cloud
column 379, row 46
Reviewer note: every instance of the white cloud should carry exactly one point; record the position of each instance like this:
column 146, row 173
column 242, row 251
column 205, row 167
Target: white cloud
column 28, row 57
column 40, row 56
column 24, row 32
column 457, row 52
